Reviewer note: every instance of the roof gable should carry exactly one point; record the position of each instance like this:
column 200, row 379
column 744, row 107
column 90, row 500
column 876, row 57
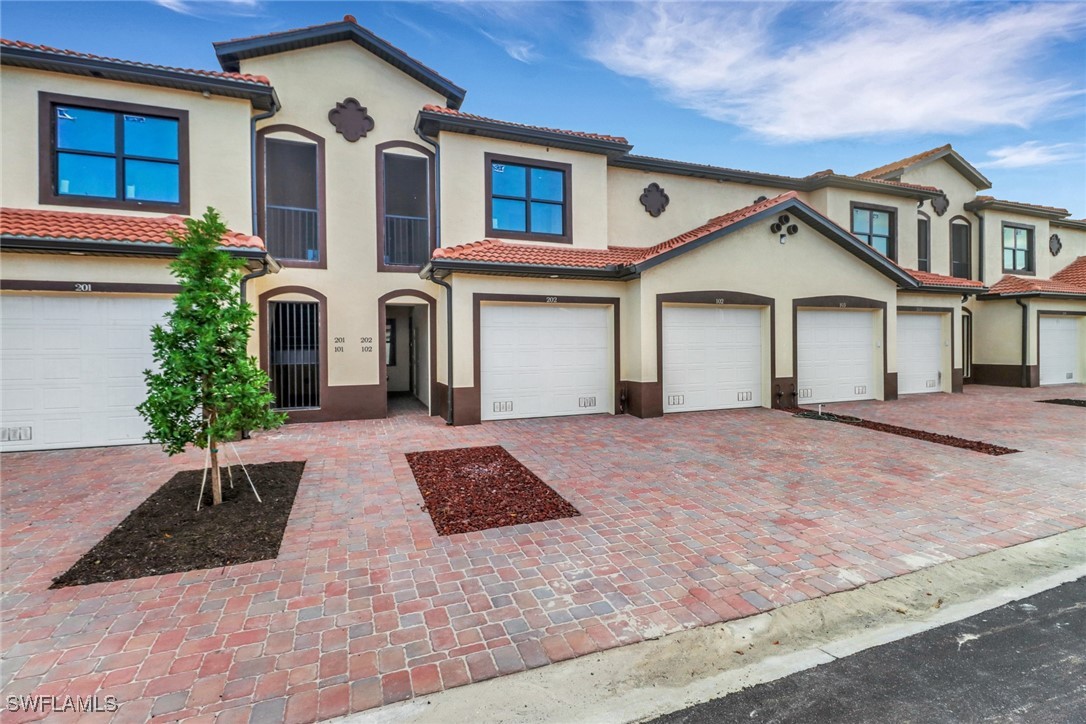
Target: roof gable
column 623, row 262
column 232, row 52
column 894, row 171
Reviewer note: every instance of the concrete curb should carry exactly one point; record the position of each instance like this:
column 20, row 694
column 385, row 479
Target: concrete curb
column 645, row 680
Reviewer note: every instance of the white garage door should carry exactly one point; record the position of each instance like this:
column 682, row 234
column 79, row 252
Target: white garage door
column 836, row 356
column 919, row 353
column 73, row 369
column 1060, row 350
column 542, row 360
column 712, row 358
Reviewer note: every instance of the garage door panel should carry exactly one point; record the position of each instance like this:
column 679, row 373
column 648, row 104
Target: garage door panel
column 712, row 358
column 1060, row 350
column 545, row 360
column 920, row 356
column 73, row 372
column 834, row 351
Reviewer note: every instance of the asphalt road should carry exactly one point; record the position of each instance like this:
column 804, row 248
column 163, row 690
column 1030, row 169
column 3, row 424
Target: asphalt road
column 1022, row 662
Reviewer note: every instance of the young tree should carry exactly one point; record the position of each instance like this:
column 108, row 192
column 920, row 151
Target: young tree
column 207, row 388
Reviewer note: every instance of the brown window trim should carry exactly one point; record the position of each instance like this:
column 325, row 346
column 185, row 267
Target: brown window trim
column 962, row 221
column 1032, row 254
column 891, row 252
column 47, row 169
column 309, row 414
column 922, row 217
column 567, row 204
column 322, row 206
column 379, row 153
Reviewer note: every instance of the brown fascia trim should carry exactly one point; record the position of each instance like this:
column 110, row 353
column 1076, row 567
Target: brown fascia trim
column 1028, row 295
column 441, row 267
column 96, row 247
column 1079, row 224
column 955, row 160
column 696, row 170
column 1016, row 208
column 936, row 289
column 33, row 285
column 432, row 124
column 262, row 97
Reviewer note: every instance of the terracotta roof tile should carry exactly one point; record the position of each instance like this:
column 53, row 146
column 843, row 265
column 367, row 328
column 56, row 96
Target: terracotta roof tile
column 1074, row 273
column 931, row 279
column 903, row 164
column 471, row 116
column 1011, row 285
column 502, row 252
column 258, row 79
column 81, row 226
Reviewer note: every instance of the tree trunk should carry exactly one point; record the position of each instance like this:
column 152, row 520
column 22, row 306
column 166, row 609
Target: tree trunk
column 216, row 475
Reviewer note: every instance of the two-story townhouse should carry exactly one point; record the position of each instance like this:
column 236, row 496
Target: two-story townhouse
column 103, row 158
column 1027, row 329
column 494, row 270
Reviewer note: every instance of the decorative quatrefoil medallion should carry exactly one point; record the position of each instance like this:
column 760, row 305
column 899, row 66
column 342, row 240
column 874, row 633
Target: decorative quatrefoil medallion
column 351, row 119
column 654, row 199
column 940, row 204
column 1054, row 244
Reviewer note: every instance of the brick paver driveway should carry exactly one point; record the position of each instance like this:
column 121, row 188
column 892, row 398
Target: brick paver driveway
column 687, row 520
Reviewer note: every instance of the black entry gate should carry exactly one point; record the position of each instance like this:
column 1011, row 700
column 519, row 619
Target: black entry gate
column 294, row 350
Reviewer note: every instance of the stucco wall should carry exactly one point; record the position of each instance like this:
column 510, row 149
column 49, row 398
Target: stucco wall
column 752, row 261
column 91, row 269
column 835, row 203
column 309, row 83
column 959, row 192
column 1045, row 264
column 463, row 187
column 218, row 140
column 692, row 202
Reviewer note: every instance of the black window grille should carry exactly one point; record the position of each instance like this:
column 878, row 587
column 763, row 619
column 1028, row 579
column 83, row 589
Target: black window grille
column 291, row 210
column 294, row 350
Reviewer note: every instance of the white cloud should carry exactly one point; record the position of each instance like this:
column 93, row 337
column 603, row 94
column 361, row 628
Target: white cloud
column 198, row 7
column 1032, row 153
column 520, row 50
column 823, row 71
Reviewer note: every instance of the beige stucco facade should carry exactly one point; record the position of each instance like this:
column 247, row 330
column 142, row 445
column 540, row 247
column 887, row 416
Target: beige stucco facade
column 358, row 294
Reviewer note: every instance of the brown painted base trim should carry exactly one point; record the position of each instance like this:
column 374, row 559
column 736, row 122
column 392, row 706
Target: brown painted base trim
column 785, row 393
column 644, row 399
column 1004, row 375
column 465, row 404
column 957, row 381
column 346, row 402
column 889, row 386
column 31, row 285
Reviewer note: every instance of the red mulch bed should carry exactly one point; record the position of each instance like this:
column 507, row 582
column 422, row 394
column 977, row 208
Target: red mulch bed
column 959, row 442
column 165, row 533
column 477, row 488
column 1066, row 401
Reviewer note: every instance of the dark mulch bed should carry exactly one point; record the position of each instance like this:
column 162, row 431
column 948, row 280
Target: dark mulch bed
column 959, row 442
column 1065, row 401
column 165, row 534
column 476, row 488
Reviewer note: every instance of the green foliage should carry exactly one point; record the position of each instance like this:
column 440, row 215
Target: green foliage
column 206, row 383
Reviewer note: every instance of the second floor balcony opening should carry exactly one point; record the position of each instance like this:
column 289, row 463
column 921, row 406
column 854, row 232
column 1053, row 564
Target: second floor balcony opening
column 291, row 203
column 406, row 209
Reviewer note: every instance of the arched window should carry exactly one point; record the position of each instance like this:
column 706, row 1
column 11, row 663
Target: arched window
column 405, row 206
column 923, row 242
column 961, row 242
column 290, row 194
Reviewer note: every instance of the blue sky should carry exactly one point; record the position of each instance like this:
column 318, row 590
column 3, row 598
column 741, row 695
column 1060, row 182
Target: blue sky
column 788, row 88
